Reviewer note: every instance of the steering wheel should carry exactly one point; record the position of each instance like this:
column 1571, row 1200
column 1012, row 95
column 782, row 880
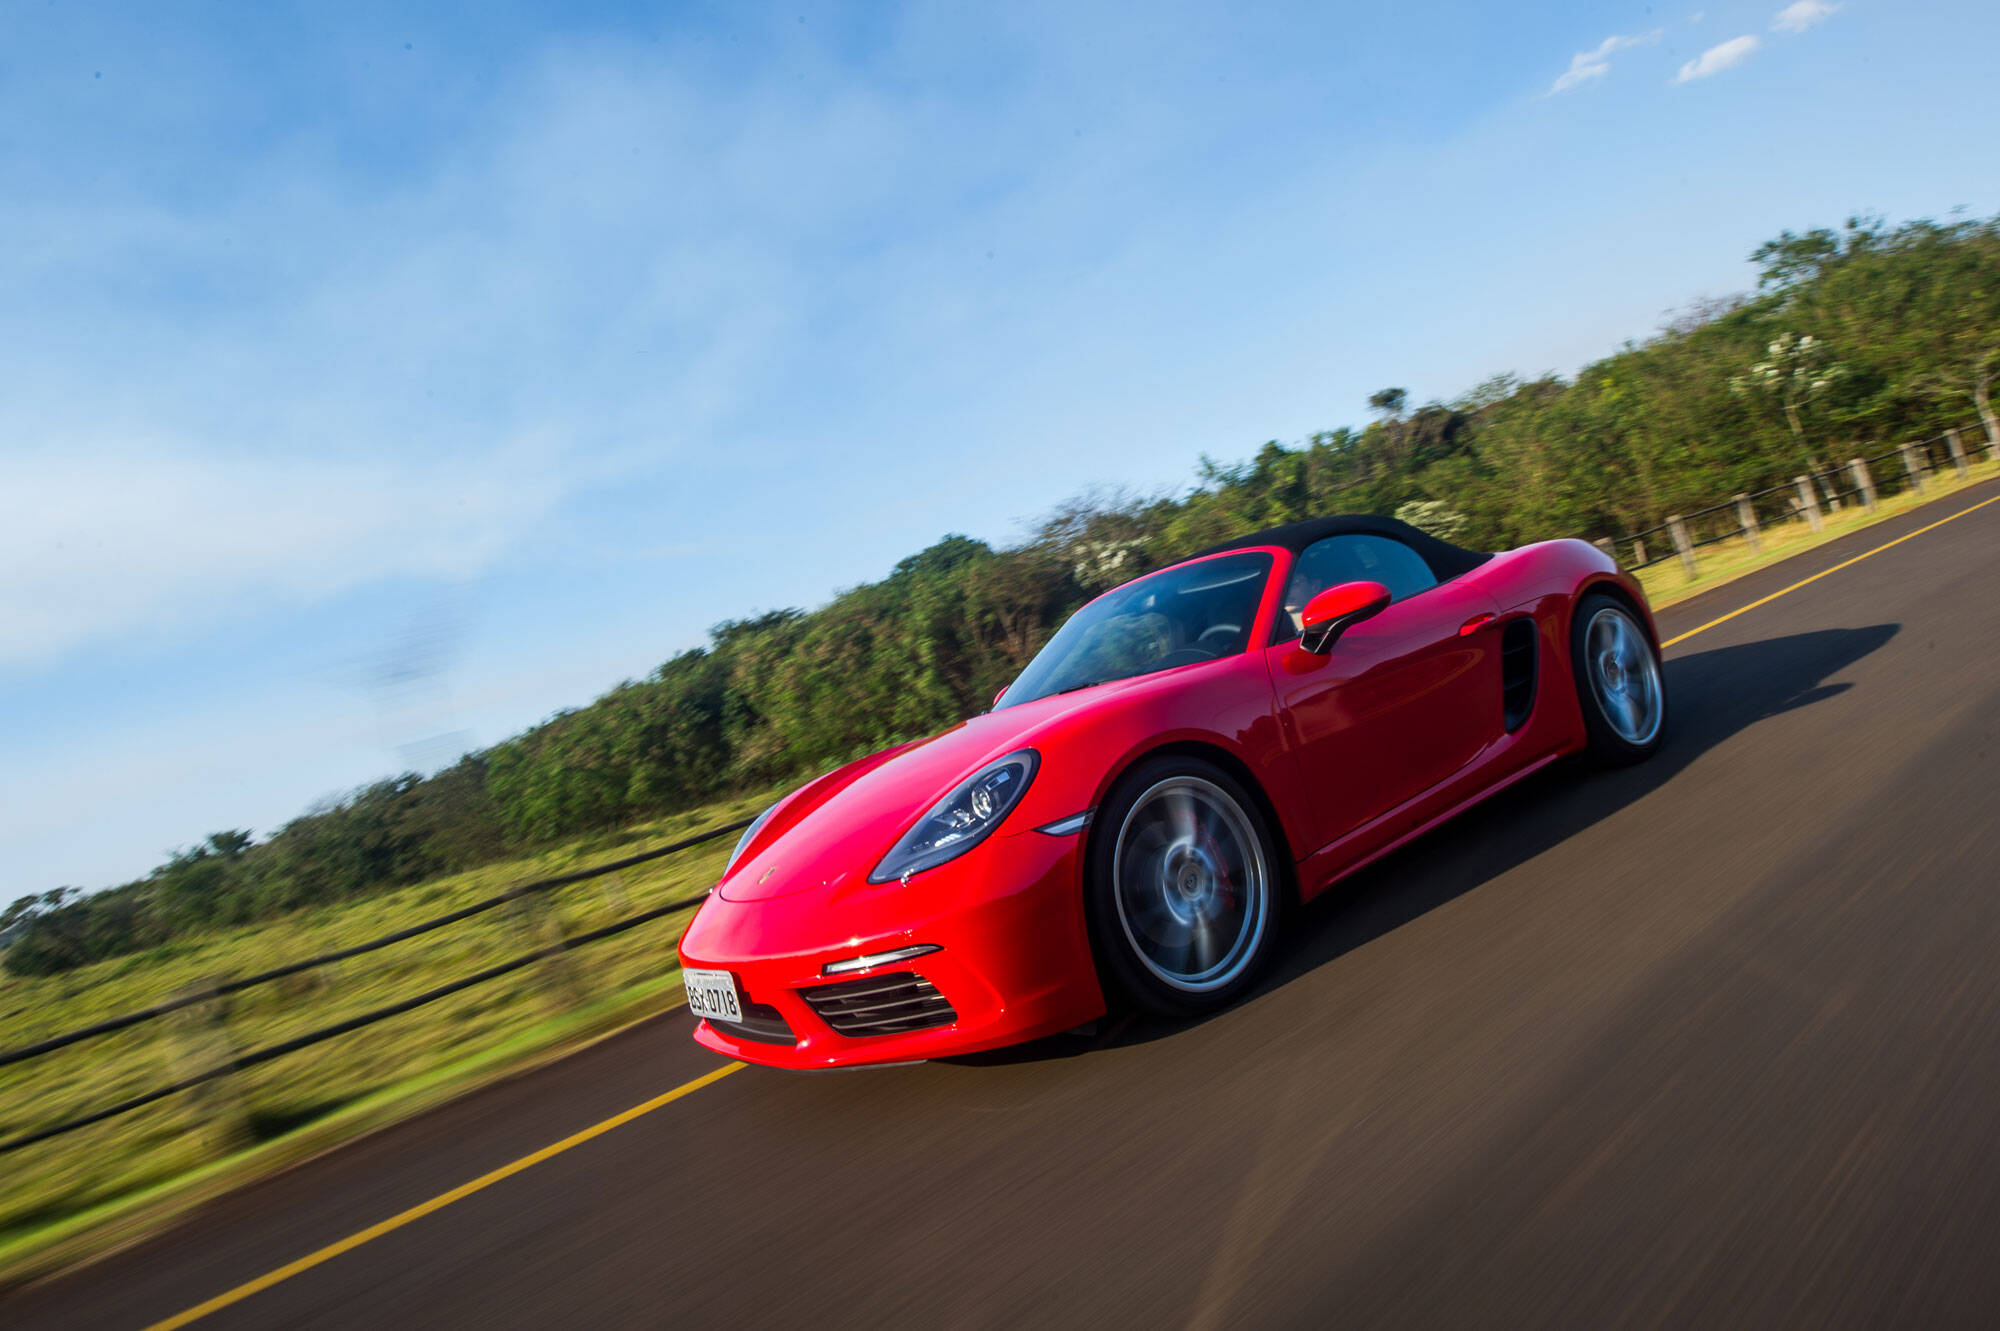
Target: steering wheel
column 1224, row 634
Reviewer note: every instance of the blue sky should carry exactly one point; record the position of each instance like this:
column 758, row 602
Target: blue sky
column 373, row 385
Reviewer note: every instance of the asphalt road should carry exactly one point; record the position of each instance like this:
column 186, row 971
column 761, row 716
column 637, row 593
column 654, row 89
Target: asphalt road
column 1710, row 1041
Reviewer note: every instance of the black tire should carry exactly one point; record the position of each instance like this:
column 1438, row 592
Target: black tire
column 1200, row 869
column 1619, row 682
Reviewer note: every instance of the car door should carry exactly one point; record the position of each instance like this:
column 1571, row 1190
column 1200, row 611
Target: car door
column 1402, row 702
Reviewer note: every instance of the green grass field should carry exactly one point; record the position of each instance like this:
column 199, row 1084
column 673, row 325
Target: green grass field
column 60, row 1191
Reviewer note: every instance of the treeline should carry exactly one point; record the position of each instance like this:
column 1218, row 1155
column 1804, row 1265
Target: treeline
column 1856, row 337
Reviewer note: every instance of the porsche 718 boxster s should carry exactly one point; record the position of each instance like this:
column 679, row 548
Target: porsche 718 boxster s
column 1189, row 756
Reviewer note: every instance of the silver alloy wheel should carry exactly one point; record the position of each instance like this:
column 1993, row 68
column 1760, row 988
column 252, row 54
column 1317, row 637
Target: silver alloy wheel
column 1192, row 889
column 1624, row 675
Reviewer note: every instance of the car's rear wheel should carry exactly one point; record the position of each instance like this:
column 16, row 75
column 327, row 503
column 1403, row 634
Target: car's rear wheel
column 1185, row 886
column 1617, row 681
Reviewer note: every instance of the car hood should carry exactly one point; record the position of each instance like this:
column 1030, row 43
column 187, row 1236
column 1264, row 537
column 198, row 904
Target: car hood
column 850, row 818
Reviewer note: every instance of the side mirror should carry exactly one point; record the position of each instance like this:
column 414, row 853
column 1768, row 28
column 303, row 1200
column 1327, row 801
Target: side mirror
column 1338, row 609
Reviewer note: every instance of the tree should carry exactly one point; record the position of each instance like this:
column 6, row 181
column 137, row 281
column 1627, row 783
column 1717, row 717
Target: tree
column 1433, row 518
column 229, row 845
column 1925, row 300
column 1792, row 259
column 1798, row 368
column 1388, row 402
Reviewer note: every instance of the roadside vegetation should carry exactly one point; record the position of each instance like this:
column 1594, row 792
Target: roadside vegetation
column 254, row 1117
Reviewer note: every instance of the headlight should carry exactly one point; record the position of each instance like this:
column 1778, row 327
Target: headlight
column 962, row 819
column 756, row 826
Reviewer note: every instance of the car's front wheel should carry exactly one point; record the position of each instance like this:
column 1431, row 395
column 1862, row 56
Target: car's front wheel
column 1185, row 886
column 1617, row 681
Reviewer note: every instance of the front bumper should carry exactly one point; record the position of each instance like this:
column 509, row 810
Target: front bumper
column 1013, row 958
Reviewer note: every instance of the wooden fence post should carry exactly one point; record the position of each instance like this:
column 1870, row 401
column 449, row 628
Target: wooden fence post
column 542, row 931
column 1863, row 482
column 1746, row 517
column 1682, row 546
column 1638, row 554
column 1604, row 543
column 199, row 1034
column 1957, row 448
column 1808, row 502
column 615, row 899
column 1910, row 465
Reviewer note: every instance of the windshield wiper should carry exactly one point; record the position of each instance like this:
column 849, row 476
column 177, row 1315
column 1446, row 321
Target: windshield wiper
column 1108, row 679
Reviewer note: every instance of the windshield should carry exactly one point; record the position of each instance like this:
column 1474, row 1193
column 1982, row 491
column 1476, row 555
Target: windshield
column 1196, row 612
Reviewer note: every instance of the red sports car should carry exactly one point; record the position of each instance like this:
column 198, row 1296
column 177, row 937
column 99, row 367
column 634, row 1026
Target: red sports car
column 1190, row 754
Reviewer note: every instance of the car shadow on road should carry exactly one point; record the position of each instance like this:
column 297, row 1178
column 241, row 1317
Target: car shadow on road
column 1712, row 696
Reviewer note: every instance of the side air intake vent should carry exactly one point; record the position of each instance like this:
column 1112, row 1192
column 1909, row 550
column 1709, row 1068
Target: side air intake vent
column 1517, row 670
column 881, row 1005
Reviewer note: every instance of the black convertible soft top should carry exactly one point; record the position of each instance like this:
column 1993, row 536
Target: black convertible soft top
column 1447, row 561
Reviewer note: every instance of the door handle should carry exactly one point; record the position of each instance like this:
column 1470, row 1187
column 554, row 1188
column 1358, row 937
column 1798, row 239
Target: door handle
column 1473, row 625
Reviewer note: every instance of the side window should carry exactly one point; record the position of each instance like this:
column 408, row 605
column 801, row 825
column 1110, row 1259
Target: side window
column 1355, row 558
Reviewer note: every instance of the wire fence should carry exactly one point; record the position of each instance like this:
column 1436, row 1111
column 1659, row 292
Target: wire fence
column 208, row 994
column 1810, row 498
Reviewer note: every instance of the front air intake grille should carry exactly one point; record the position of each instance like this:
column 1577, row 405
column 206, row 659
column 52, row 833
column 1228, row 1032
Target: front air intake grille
column 760, row 1023
column 881, row 1005
column 1517, row 671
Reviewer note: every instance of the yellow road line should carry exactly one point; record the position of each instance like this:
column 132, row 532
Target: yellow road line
column 464, row 1190
column 439, row 1202
column 1785, row 591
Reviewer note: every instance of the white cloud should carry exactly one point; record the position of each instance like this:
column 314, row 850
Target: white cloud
column 423, row 377
column 1596, row 63
column 1725, row 55
column 110, row 541
column 1802, row 14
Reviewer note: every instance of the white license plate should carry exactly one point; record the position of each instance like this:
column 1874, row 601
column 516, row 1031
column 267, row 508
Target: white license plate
column 713, row 994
